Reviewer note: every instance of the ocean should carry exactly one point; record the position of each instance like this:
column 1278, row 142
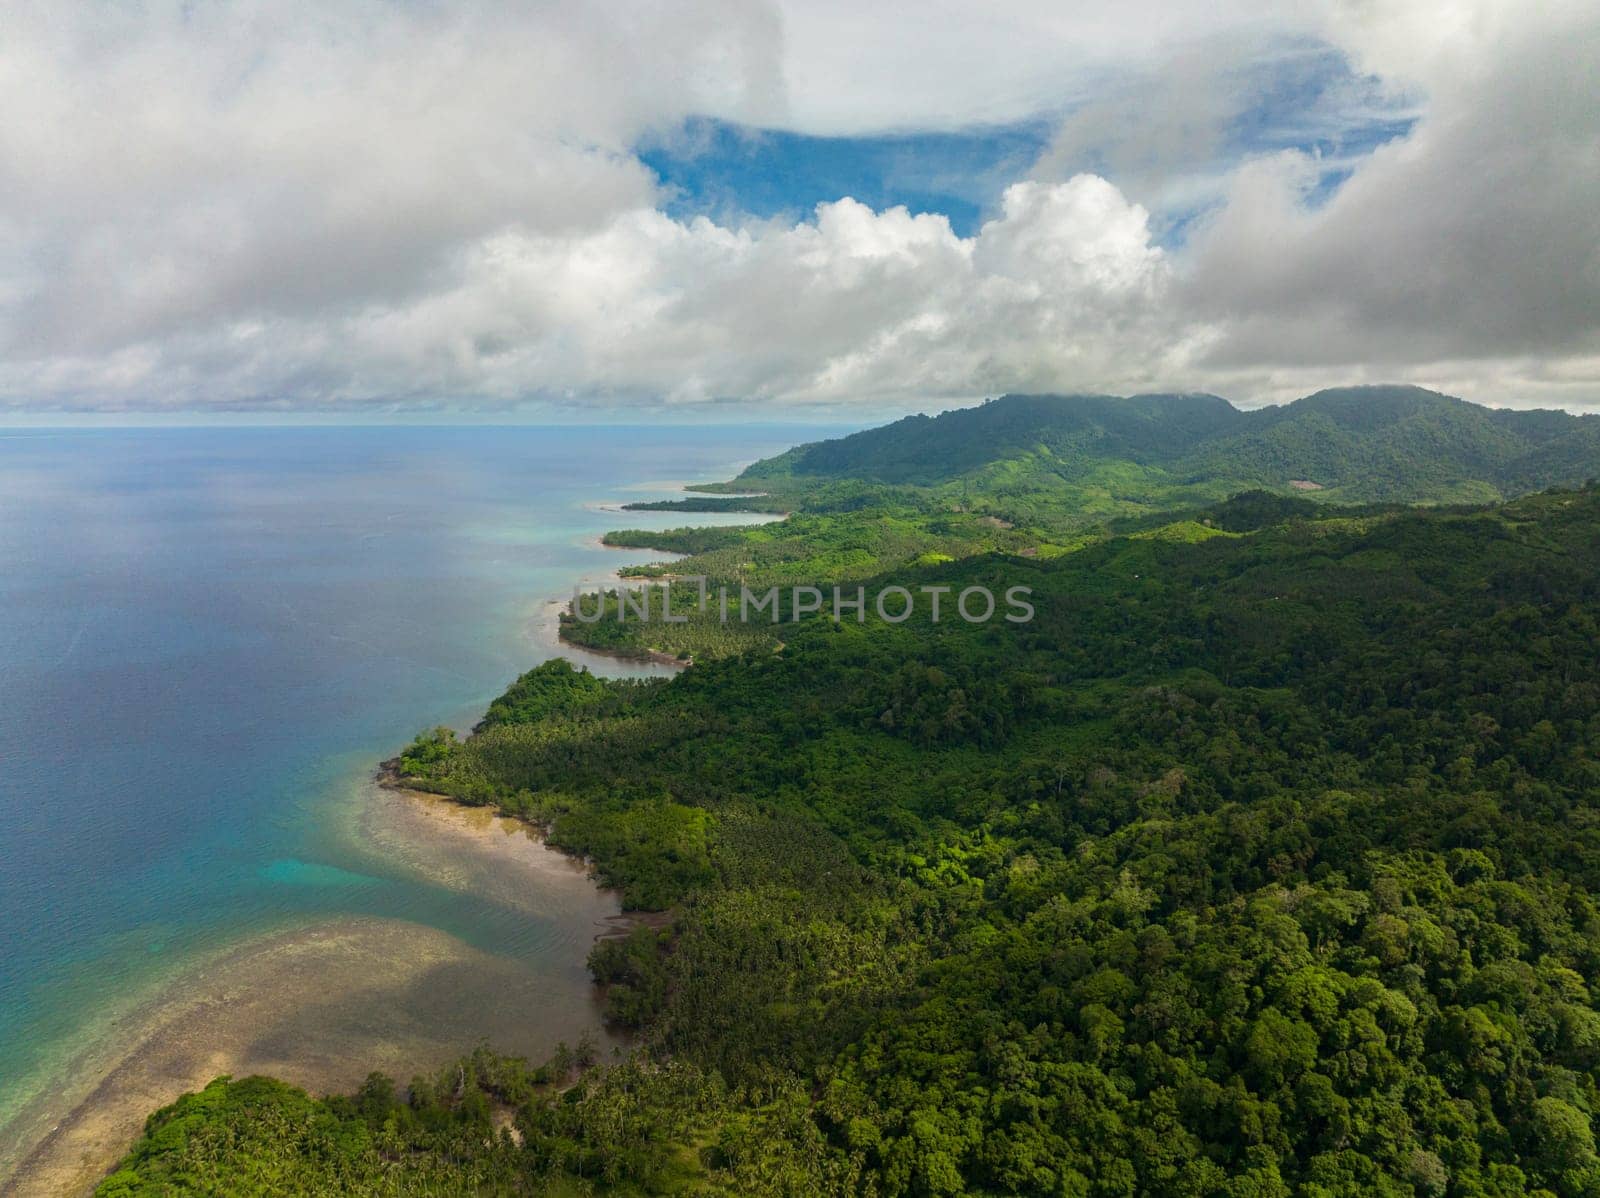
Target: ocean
column 209, row 638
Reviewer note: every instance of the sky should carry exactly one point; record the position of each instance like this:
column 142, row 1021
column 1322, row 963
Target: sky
column 765, row 209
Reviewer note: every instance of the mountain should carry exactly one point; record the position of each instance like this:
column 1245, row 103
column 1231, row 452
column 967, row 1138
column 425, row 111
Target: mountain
column 1356, row 444
column 930, row 450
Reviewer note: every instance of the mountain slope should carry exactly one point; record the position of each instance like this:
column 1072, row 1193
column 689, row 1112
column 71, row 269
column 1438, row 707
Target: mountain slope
column 1357, row 444
column 1071, row 429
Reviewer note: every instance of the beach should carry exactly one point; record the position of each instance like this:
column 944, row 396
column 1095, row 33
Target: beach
column 544, row 630
column 269, row 907
column 321, row 1006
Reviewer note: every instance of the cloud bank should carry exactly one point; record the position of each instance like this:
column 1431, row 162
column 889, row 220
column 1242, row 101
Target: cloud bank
column 350, row 204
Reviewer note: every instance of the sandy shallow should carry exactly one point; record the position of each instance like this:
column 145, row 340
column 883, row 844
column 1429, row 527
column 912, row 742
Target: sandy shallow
column 323, row 1004
column 451, row 845
column 544, row 631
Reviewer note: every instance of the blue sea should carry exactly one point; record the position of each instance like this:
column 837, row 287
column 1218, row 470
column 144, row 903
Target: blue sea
column 209, row 636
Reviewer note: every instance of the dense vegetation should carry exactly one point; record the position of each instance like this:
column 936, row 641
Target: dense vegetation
column 813, row 548
column 1357, row 444
column 1261, row 862
column 487, row 1125
column 748, row 502
column 1040, row 476
column 675, row 540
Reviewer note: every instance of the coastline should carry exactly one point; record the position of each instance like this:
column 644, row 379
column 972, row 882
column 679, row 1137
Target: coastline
column 506, row 837
column 272, row 1005
column 321, row 1004
column 546, row 633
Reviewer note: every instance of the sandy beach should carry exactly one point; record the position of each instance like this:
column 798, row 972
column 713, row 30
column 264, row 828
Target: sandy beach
column 544, row 630
column 322, row 1005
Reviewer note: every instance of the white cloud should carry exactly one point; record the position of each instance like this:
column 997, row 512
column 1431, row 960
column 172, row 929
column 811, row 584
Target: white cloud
column 321, row 204
column 930, row 64
column 1477, row 236
column 164, row 165
column 854, row 305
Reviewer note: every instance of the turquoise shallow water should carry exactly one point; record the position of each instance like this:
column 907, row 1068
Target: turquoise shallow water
column 208, row 637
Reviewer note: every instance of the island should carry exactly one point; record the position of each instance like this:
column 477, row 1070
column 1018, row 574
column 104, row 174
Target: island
column 1260, row 860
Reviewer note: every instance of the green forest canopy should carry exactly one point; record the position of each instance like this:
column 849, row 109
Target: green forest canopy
column 1043, row 476
column 1356, row 444
column 1257, row 864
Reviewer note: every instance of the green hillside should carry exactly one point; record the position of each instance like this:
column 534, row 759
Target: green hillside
column 1357, row 444
column 1071, row 431
column 1041, row 476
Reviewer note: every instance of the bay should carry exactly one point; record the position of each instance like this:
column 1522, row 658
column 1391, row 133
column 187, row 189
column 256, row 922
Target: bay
column 209, row 637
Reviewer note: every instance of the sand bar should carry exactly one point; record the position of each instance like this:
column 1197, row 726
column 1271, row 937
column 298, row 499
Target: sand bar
column 321, row 1005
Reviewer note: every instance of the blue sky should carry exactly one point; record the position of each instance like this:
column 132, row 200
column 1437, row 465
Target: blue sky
column 726, row 171
column 1310, row 101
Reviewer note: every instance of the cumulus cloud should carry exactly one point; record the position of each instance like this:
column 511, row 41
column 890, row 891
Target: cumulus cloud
column 330, row 204
column 853, row 305
column 944, row 64
column 1477, row 236
column 168, row 165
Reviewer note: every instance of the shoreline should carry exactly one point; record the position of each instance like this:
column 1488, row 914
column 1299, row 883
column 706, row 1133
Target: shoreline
column 547, row 633
column 452, row 817
column 658, row 657
column 277, row 1005
column 321, row 1004
column 556, row 636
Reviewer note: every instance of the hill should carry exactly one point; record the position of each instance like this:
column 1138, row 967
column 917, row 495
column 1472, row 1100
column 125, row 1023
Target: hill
column 1039, row 476
column 1073, row 430
column 1355, row 444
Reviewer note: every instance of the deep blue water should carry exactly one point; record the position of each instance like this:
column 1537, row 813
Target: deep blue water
column 202, row 632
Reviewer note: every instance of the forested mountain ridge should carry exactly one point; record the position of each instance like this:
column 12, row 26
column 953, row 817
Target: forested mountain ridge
column 931, row 450
column 1040, row 476
column 1357, row 444
column 1260, row 865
